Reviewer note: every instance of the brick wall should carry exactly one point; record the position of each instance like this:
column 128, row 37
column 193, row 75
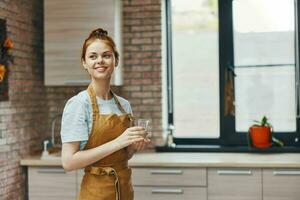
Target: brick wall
column 142, row 60
column 25, row 118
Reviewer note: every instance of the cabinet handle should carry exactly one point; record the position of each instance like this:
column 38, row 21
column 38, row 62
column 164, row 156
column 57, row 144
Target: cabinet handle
column 168, row 171
column 234, row 172
column 286, row 172
column 51, row 171
column 167, row 191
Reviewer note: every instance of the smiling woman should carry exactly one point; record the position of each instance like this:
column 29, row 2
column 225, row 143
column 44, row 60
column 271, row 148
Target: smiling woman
column 95, row 130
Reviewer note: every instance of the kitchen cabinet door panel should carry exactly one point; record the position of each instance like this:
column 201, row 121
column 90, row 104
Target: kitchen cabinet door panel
column 281, row 184
column 67, row 24
column 51, row 183
column 234, row 184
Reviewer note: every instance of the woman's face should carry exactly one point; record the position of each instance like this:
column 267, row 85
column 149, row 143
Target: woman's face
column 99, row 60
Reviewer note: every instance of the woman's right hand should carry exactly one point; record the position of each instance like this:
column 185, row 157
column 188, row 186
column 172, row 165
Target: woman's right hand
column 130, row 136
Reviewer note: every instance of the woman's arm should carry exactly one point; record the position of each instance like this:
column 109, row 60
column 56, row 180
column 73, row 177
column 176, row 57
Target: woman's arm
column 73, row 158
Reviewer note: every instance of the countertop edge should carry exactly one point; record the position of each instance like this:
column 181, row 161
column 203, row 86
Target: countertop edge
column 230, row 160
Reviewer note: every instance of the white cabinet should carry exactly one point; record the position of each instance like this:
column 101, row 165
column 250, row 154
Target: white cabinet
column 51, row 183
column 281, row 184
column 169, row 183
column 67, row 24
column 177, row 183
column 234, row 184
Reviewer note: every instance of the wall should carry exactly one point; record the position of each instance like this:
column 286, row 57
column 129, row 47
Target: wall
column 25, row 118
column 142, row 60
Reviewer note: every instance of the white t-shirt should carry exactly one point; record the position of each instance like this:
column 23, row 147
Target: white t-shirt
column 77, row 118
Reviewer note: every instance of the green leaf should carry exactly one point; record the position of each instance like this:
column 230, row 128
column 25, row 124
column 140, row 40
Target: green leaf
column 277, row 141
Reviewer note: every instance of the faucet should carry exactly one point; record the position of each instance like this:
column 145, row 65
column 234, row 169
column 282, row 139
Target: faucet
column 53, row 121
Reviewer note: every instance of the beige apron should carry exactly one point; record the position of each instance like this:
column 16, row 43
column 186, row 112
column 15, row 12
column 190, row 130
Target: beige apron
column 110, row 177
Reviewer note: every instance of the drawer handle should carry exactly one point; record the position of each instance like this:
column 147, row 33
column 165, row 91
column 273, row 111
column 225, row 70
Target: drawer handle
column 234, row 172
column 167, row 191
column 166, row 171
column 51, row 171
column 285, row 172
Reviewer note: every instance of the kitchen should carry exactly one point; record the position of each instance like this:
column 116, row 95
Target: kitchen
column 207, row 159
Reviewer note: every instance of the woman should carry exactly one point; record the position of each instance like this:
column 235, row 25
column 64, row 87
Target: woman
column 96, row 132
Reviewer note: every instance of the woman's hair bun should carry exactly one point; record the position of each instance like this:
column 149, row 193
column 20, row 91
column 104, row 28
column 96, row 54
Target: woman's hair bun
column 99, row 32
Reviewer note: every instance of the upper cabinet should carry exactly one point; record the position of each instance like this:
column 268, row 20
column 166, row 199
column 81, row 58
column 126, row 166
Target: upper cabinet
column 67, row 23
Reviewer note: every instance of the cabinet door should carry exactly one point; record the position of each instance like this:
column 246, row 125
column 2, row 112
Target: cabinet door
column 169, row 176
column 234, row 184
column 168, row 193
column 51, row 183
column 67, row 24
column 281, row 184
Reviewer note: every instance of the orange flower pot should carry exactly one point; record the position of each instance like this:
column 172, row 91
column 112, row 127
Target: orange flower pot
column 260, row 136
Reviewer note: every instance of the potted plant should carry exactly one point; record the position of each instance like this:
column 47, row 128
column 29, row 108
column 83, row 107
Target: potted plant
column 260, row 134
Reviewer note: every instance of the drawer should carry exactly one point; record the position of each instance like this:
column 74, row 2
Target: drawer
column 167, row 193
column 51, row 183
column 169, row 176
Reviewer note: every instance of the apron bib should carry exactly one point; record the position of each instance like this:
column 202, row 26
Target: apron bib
column 110, row 177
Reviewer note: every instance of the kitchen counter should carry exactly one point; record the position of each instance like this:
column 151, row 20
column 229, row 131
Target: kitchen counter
column 279, row 160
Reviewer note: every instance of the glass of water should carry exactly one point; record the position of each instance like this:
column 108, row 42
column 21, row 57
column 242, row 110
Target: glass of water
column 146, row 124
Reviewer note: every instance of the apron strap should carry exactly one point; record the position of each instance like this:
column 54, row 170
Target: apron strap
column 131, row 118
column 118, row 103
column 95, row 107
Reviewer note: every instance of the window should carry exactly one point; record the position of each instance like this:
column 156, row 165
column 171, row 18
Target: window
column 231, row 62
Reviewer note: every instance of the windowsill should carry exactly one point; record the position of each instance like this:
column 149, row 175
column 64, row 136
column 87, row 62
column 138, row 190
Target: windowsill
column 232, row 149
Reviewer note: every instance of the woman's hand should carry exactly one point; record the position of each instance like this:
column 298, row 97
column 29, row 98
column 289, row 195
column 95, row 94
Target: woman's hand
column 131, row 135
column 138, row 146
column 141, row 145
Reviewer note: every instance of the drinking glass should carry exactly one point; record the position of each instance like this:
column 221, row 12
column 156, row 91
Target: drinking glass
column 146, row 124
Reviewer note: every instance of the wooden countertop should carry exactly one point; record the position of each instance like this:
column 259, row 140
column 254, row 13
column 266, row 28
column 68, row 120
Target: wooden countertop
column 282, row 160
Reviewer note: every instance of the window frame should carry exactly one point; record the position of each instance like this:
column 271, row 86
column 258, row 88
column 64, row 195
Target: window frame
column 228, row 135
